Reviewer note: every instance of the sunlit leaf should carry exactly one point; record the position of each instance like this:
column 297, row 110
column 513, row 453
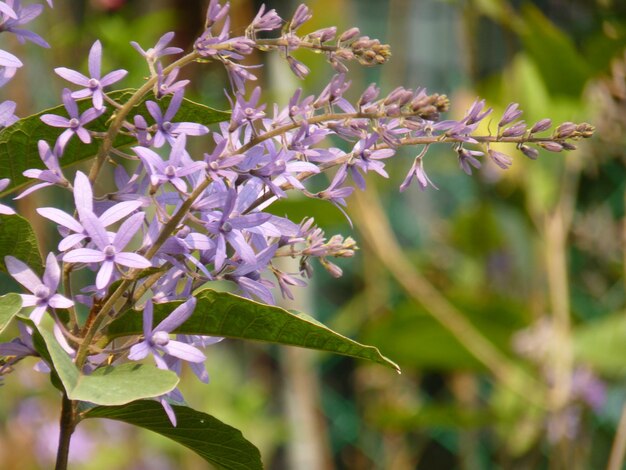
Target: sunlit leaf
column 228, row 315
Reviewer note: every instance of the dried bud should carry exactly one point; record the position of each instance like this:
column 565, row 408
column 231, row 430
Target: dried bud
column 568, row 146
column 586, row 130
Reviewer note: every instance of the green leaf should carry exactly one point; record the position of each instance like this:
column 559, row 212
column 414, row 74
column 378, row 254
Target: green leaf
column 601, row 344
column 112, row 385
column 214, row 441
column 231, row 316
column 18, row 239
column 10, row 304
column 563, row 68
column 18, row 143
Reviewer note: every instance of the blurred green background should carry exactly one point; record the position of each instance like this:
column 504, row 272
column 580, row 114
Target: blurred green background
column 505, row 309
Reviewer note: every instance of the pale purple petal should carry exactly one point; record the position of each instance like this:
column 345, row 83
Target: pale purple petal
column 55, row 120
column 127, row 230
column 37, row 313
column 95, row 58
column 61, row 218
column 52, row 274
column 98, row 99
column 132, row 260
column 6, row 210
column 148, row 315
column 177, row 317
column 83, row 135
column 83, row 255
column 58, row 301
column 172, row 109
column 22, row 273
column 169, row 411
column 183, row 351
column 104, row 274
column 139, row 351
column 188, row 128
column 29, row 300
column 118, row 212
column 69, row 103
column 74, row 77
column 113, row 77
column 71, row 241
column 83, row 194
column 95, row 229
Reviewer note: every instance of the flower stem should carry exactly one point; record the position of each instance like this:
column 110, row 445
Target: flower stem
column 67, row 426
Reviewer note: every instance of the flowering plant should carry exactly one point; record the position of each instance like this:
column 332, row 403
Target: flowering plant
column 135, row 265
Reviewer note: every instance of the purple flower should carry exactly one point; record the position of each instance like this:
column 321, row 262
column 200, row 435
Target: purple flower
column 467, row 160
column 511, row 113
column 5, row 210
column 417, row 172
column 365, row 157
column 167, row 85
column 247, row 111
column 23, row 15
column 228, row 227
column 109, row 251
column 7, row 113
column 167, row 130
column 159, row 50
column 53, row 175
column 215, row 12
column 93, row 85
column 300, row 16
column 6, row 10
column 74, row 125
column 83, row 199
column 500, row 159
column 265, row 21
column 9, row 65
column 158, row 340
column 45, row 293
column 172, row 170
column 475, row 113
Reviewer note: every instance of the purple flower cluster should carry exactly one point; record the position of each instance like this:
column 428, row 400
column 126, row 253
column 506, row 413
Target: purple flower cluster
column 196, row 220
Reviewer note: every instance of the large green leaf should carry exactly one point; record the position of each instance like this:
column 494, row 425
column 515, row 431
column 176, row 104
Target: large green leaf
column 10, row 304
column 602, row 345
column 112, row 385
column 228, row 315
column 18, row 239
column 563, row 68
column 18, row 143
column 214, row 441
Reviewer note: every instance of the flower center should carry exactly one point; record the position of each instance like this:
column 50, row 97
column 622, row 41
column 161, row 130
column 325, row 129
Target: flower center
column 42, row 292
column 214, row 166
column 160, row 338
column 93, row 83
column 109, row 252
column 227, row 227
column 166, row 126
column 249, row 112
column 170, row 171
column 74, row 123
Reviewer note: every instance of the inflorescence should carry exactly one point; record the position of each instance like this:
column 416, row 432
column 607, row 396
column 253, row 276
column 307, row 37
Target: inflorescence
column 177, row 221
